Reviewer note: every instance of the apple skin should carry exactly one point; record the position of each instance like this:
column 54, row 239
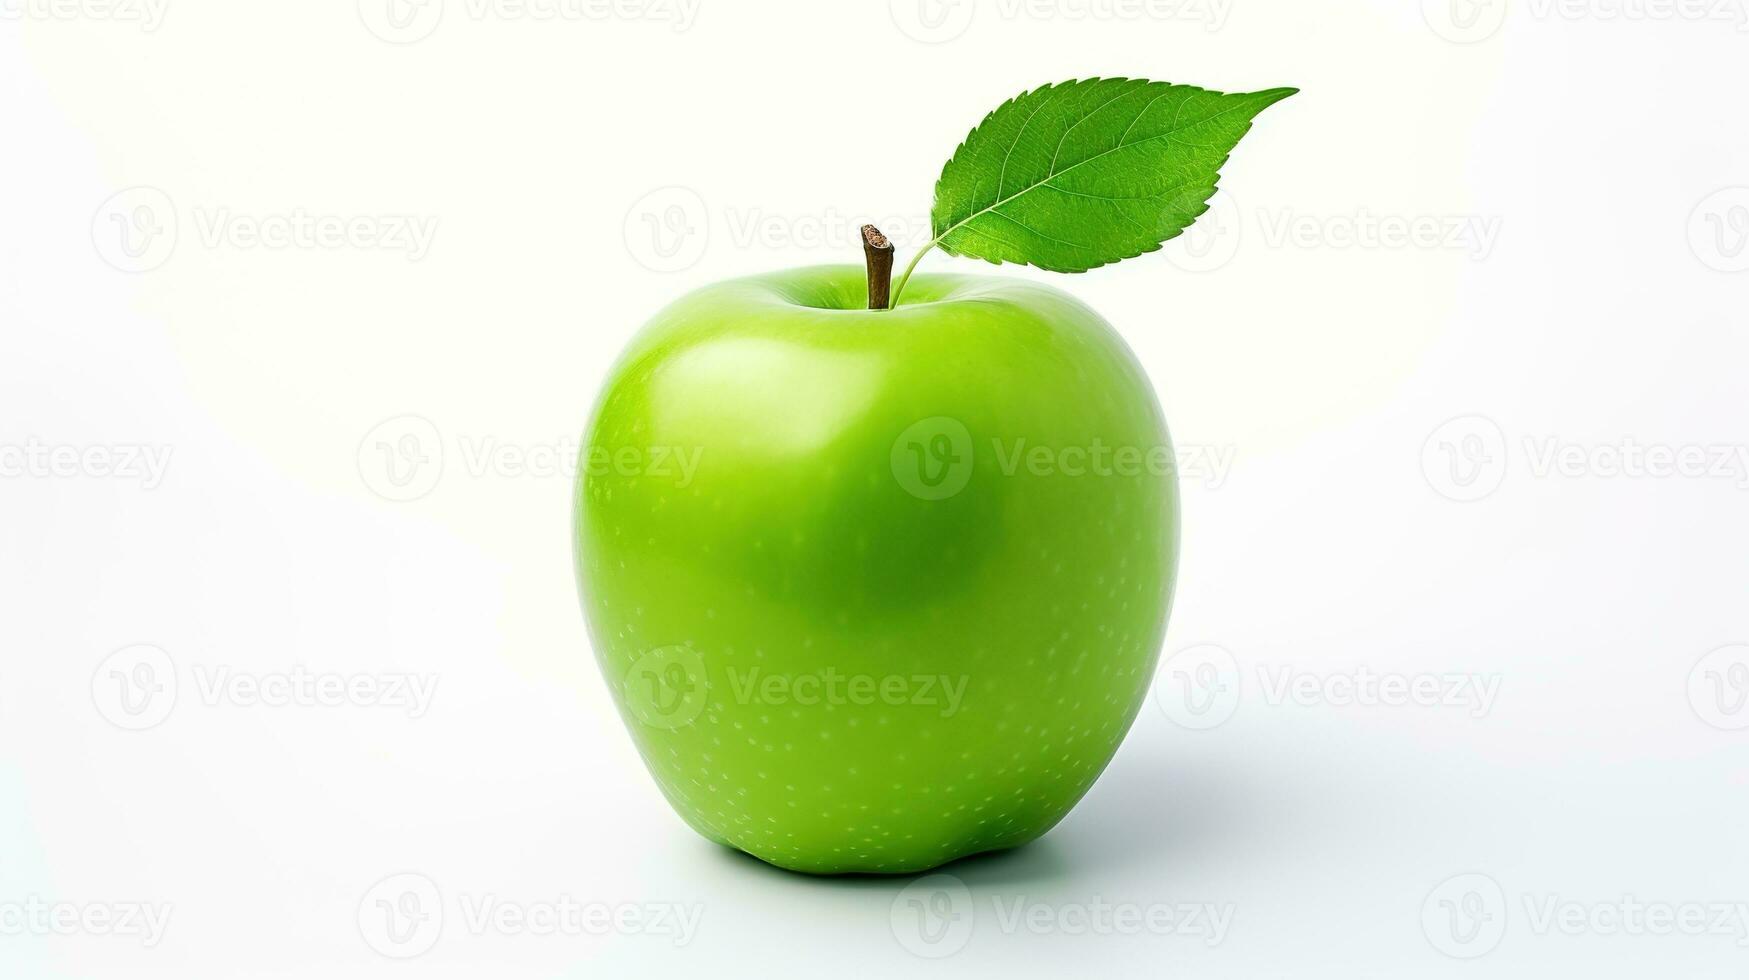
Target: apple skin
column 859, row 508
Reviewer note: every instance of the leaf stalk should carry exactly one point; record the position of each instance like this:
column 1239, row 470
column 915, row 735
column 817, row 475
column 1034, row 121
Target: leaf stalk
column 905, row 277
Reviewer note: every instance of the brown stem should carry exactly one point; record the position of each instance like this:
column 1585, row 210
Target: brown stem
column 879, row 253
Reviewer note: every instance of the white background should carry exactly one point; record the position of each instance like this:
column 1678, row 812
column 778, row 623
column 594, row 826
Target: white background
column 1581, row 170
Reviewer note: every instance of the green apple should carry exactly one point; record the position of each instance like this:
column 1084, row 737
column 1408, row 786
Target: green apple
column 876, row 589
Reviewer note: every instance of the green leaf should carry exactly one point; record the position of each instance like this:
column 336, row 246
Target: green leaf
column 1069, row 177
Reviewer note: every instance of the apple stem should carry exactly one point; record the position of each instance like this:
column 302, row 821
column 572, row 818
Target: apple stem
column 879, row 253
column 906, row 276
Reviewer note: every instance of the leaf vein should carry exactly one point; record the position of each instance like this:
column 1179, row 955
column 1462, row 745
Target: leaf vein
column 1052, row 169
column 1103, row 153
column 1028, row 228
column 1002, row 176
